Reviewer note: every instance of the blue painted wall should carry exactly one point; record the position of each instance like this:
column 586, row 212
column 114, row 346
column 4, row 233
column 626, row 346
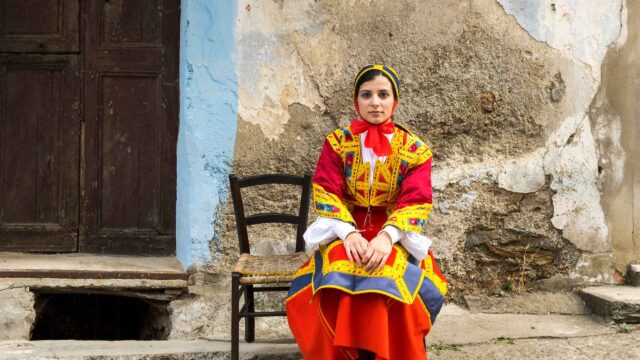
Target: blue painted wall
column 208, row 123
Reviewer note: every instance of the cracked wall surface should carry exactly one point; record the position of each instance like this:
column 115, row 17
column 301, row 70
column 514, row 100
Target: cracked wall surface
column 614, row 113
column 504, row 92
column 500, row 90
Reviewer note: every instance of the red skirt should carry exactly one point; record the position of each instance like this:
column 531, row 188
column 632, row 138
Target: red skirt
column 335, row 308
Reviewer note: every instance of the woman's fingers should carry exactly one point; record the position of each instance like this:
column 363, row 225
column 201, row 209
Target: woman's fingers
column 360, row 248
column 368, row 255
column 373, row 262
column 383, row 261
column 347, row 249
column 356, row 256
column 364, row 249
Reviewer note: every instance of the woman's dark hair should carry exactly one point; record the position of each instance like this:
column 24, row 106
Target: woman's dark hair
column 370, row 75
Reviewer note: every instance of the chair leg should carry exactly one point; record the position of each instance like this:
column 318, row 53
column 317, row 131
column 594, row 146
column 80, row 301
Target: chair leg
column 249, row 322
column 235, row 318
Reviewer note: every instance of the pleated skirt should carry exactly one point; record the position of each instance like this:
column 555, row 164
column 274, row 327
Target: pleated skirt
column 335, row 308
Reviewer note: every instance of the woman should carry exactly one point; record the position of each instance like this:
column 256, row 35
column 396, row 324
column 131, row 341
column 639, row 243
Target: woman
column 372, row 290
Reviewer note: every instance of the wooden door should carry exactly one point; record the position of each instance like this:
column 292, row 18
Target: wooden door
column 131, row 82
column 39, row 125
column 88, row 125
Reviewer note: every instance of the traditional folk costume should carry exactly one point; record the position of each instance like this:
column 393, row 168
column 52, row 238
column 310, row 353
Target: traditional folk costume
column 334, row 306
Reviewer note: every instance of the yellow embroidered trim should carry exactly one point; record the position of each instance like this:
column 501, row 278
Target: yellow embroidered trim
column 329, row 205
column 334, row 140
column 410, row 218
column 440, row 285
column 385, row 187
column 306, row 269
column 393, row 272
column 393, row 164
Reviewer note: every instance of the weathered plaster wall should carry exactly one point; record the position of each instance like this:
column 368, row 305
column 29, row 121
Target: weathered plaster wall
column 531, row 140
column 616, row 127
column 499, row 90
column 208, row 121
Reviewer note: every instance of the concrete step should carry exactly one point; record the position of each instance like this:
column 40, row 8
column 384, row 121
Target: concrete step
column 459, row 326
column 536, row 303
column 618, row 303
column 633, row 276
column 143, row 350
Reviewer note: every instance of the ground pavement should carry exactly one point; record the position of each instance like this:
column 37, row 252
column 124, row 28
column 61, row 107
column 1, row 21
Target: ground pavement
column 533, row 326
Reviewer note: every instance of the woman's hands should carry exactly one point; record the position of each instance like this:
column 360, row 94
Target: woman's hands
column 356, row 247
column 371, row 254
column 378, row 252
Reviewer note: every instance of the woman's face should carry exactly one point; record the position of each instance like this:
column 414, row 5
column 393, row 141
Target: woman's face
column 375, row 100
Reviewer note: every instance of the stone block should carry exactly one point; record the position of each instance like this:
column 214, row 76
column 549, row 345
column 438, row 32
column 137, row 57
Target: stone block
column 564, row 303
column 618, row 303
column 205, row 313
column 633, row 276
column 18, row 314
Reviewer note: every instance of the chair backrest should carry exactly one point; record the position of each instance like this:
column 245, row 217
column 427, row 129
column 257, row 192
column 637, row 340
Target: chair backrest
column 242, row 221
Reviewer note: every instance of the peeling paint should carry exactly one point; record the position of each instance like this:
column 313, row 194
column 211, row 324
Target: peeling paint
column 580, row 29
column 208, row 121
column 572, row 161
column 270, row 71
column 523, row 175
column 465, row 175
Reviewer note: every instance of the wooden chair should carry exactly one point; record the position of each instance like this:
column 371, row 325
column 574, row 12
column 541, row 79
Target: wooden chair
column 277, row 270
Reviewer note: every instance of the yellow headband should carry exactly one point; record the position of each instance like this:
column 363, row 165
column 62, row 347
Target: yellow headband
column 387, row 70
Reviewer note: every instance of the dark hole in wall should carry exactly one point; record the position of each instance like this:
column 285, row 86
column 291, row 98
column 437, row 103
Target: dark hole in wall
column 99, row 317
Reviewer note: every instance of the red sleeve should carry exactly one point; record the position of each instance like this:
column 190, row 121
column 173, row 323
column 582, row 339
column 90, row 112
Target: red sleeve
column 328, row 182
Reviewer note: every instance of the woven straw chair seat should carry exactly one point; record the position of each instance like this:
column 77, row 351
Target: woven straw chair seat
column 264, row 269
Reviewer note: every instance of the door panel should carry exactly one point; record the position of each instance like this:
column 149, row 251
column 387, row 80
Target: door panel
column 88, row 140
column 39, row 152
column 131, row 127
column 130, row 153
column 36, row 26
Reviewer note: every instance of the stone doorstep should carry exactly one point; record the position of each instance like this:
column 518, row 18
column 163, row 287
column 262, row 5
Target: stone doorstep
column 90, row 271
column 147, row 350
column 618, row 303
column 633, row 275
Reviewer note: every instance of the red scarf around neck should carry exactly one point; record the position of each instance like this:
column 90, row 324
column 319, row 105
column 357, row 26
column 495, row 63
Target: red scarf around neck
column 376, row 139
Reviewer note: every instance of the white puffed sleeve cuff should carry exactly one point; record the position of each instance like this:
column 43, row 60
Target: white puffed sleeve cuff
column 324, row 230
column 395, row 233
column 415, row 243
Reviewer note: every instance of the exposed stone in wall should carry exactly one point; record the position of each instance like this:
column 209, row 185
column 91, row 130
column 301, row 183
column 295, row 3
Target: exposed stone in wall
column 210, row 299
column 506, row 239
column 18, row 314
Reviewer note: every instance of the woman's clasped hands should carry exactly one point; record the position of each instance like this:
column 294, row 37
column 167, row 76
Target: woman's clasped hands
column 372, row 254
